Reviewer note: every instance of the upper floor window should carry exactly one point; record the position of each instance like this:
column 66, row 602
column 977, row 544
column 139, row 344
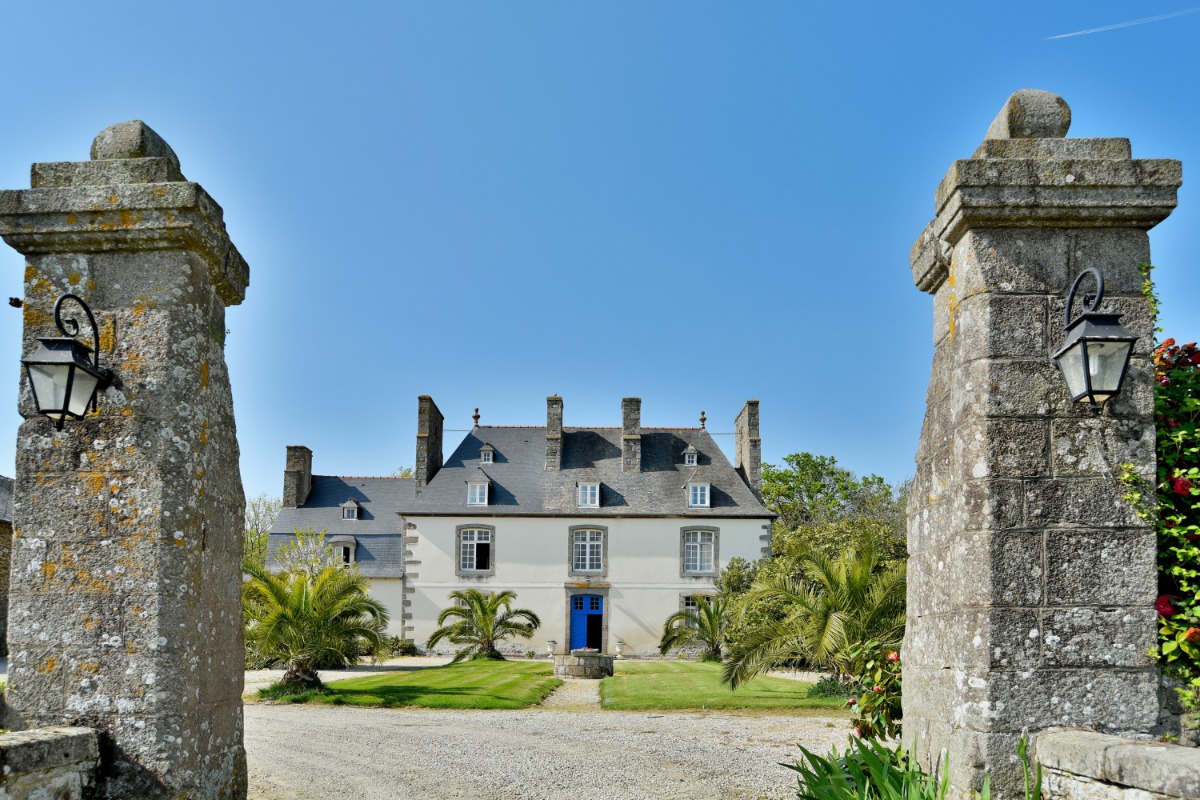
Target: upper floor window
column 589, row 495
column 343, row 555
column 689, row 456
column 350, row 512
column 587, row 551
column 699, row 551
column 487, row 454
column 475, row 550
column 477, row 494
column 698, row 495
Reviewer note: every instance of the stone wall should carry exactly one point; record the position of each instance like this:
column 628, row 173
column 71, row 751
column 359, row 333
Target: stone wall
column 125, row 608
column 49, row 764
column 581, row 664
column 1083, row 765
column 1031, row 581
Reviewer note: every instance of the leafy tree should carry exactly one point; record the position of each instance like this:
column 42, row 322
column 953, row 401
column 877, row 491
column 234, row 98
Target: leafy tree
column 309, row 622
column 403, row 472
column 482, row 621
column 260, row 516
column 308, row 554
column 830, row 606
column 705, row 625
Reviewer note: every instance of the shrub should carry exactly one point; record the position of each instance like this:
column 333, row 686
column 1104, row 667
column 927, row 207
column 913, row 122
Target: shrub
column 830, row 686
column 876, row 669
column 402, row 647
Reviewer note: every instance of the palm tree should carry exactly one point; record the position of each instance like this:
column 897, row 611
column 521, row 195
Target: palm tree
column 705, row 625
column 310, row 622
column 483, row 621
column 834, row 604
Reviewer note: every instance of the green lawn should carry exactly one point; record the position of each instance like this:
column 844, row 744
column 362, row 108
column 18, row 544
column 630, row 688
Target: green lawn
column 653, row 685
column 472, row 684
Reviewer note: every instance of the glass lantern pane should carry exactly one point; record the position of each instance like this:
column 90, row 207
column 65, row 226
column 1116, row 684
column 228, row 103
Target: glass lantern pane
column 81, row 392
column 1071, row 364
column 1106, row 361
column 49, row 383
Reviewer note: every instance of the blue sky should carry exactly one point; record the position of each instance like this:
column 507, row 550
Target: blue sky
column 691, row 202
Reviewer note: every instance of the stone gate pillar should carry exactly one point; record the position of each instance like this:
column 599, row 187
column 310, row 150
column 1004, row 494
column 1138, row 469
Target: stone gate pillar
column 1031, row 582
column 125, row 611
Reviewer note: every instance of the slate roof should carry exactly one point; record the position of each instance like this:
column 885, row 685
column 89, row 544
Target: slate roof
column 521, row 486
column 378, row 531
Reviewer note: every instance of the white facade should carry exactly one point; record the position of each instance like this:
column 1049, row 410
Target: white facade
column 642, row 580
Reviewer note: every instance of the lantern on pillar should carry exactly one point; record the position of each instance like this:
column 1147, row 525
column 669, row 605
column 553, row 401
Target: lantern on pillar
column 65, row 374
column 1095, row 353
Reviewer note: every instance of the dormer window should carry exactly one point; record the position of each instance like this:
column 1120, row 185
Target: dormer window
column 487, row 454
column 477, row 493
column 697, row 495
column 343, row 550
column 350, row 509
column 589, row 495
column 689, row 456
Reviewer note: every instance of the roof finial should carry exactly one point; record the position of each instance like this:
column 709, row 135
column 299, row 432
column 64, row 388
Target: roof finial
column 475, row 417
column 703, row 419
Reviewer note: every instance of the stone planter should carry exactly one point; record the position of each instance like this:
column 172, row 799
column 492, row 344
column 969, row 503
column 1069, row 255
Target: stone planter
column 583, row 664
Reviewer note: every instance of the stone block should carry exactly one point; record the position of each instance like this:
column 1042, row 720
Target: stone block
column 997, row 325
column 1078, row 502
column 1031, row 261
column 1004, row 448
column 1115, row 701
column 1008, row 388
column 1017, row 577
column 1094, row 637
column 1098, row 445
column 994, row 504
column 1107, row 568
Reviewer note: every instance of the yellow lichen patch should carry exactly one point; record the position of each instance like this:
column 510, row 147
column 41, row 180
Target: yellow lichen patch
column 90, row 667
column 130, row 449
column 74, row 277
column 135, row 364
column 47, row 666
column 181, row 542
column 95, row 483
column 204, row 433
column 72, row 219
column 170, row 217
column 128, row 412
column 88, row 623
column 199, row 474
column 34, row 318
column 30, row 272
column 91, row 285
column 108, row 334
column 112, row 198
column 48, row 569
column 159, row 191
column 114, row 487
column 204, row 373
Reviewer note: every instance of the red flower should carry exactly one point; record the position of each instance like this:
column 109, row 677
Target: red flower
column 851, row 701
column 1192, row 635
column 1172, row 423
column 877, row 689
column 1168, row 343
column 893, row 656
column 1182, row 486
column 1164, row 607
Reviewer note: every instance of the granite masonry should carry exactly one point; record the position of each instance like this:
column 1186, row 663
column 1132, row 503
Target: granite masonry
column 125, row 612
column 1031, row 582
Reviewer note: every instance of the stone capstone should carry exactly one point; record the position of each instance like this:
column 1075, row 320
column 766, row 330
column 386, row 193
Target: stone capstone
column 133, row 139
column 58, row 763
column 1031, row 114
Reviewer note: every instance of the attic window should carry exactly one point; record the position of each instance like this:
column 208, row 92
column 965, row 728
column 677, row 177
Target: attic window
column 698, row 495
column 350, row 510
column 689, row 456
column 589, row 495
column 487, row 454
column 477, row 493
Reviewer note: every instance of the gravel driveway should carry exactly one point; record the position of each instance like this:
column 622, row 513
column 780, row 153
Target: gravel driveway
column 567, row 748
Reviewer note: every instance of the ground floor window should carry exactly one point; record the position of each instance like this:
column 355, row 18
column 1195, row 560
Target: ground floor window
column 587, row 551
column 475, row 550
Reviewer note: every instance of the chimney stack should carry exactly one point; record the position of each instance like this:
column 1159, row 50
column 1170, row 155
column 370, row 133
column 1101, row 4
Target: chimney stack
column 631, row 434
column 429, row 441
column 297, row 475
column 554, row 433
column 749, row 446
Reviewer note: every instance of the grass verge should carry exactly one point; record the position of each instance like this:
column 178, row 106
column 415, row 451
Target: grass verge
column 473, row 684
column 659, row 685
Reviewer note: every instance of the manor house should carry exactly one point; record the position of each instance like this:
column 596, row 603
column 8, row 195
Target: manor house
column 602, row 532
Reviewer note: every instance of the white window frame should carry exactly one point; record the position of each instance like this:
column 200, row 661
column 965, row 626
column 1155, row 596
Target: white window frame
column 699, row 495
column 343, row 555
column 485, row 456
column 477, row 493
column 689, row 459
column 588, row 495
column 587, row 550
column 699, row 551
column 468, row 539
column 350, row 512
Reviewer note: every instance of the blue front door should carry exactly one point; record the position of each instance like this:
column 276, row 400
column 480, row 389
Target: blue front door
column 587, row 621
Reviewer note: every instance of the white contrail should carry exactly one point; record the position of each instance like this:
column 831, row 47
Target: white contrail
column 1141, row 21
